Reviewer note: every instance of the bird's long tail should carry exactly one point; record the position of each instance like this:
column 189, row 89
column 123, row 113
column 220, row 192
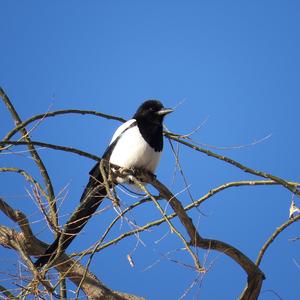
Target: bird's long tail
column 91, row 198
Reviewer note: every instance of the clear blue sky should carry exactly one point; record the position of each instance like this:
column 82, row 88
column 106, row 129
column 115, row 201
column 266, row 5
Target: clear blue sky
column 236, row 62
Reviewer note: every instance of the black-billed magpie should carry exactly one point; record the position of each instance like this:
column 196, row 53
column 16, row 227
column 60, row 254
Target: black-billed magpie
column 136, row 144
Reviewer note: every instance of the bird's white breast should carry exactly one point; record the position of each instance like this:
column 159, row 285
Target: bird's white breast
column 131, row 150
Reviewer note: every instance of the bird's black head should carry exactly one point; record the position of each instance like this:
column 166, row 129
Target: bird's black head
column 149, row 117
column 151, row 111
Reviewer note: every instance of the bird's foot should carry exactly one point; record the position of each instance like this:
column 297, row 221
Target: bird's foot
column 139, row 173
column 142, row 173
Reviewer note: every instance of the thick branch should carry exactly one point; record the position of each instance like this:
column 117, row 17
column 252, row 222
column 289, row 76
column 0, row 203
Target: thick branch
column 91, row 285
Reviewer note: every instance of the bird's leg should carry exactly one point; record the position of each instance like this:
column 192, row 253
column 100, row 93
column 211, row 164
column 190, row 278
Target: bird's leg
column 124, row 172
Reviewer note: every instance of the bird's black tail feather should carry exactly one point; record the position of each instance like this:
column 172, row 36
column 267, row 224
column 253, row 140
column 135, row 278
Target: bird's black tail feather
column 91, row 198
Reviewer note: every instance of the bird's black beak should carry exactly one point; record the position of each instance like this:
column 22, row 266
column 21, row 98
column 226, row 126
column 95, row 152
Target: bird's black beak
column 164, row 111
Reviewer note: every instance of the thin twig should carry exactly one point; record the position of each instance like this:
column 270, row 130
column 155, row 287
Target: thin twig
column 55, row 147
column 57, row 113
column 274, row 236
column 63, row 288
column 244, row 168
column 18, row 245
column 26, row 175
column 7, row 293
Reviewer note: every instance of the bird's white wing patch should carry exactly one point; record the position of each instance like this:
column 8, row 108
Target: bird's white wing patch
column 120, row 129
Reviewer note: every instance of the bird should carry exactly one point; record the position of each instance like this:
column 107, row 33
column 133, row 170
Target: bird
column 136, row 144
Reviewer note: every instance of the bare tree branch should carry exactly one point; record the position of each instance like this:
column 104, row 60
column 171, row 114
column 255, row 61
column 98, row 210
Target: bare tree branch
column 274, row 236
column 173, row 228
column 255, row 275
column 35, row 156
column 57, row 113
column 244, row 168
column 55, row 147
column 26, row 243
column 91, row 286
column 6, row 292
column 100, row 246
